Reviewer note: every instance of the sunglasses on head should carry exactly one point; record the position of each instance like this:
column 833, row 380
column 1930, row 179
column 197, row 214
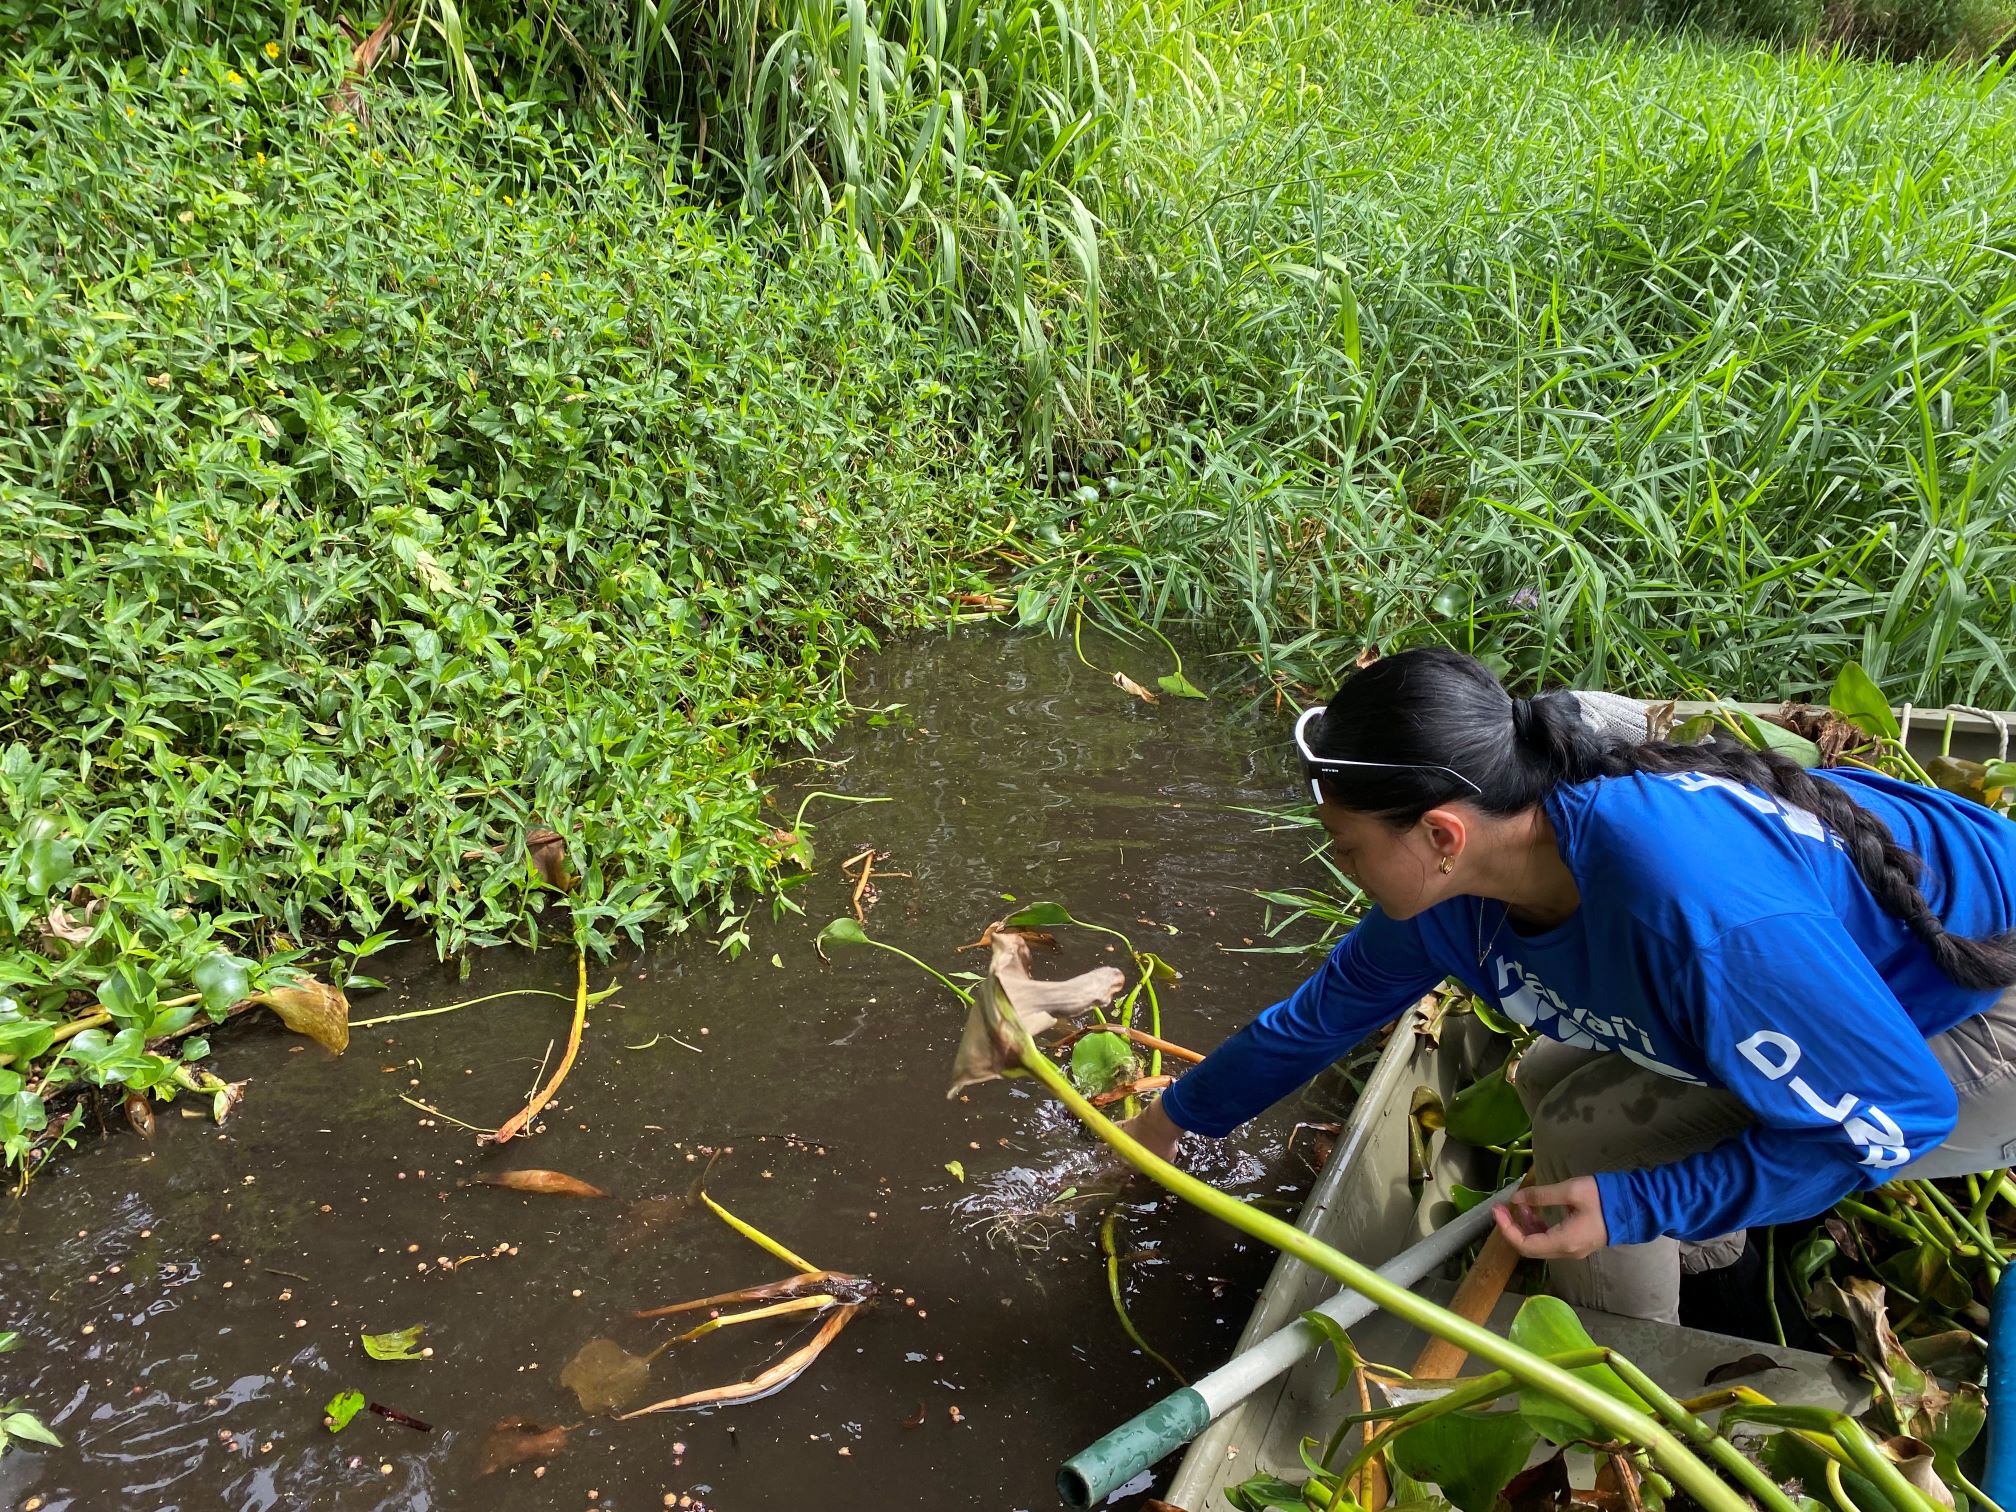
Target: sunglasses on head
column 1314, row 766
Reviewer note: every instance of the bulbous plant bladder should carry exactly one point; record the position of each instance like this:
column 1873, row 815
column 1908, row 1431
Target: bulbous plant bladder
column 1010, row 1008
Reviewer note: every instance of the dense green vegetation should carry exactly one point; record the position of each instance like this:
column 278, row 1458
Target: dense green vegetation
column 1633, row 365
column 521, row 437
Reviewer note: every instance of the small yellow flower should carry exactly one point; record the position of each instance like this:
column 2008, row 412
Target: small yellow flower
column 185, row 73
column 352, row 125
column 231, row 77
column 273, row 50
column 129, row 110
column 507, row 199
column 262, row 160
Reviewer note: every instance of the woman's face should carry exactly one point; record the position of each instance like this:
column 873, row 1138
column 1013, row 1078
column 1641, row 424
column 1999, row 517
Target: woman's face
column 1399, row 869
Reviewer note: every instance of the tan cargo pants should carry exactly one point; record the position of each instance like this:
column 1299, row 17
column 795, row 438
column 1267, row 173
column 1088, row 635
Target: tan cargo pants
column 1597, row 1111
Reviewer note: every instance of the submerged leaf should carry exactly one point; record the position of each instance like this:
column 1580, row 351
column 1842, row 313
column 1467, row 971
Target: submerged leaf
column 1010, row 1006
column 515, row 1440
column 401, row 1344
column 342, row 1407
column 140, row 1114
column 1100, row 1062
column 647, row 1215
column 312, row 1008
column 605, row 1376
column 28, row 1429
column 546, row 1183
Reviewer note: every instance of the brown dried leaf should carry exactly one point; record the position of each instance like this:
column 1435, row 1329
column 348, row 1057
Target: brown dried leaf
column 548, row 854
column 226, row 1099
column 1844, row 1236
column 515, row 1440
column 1127, row 684
column 1042, row 939
column 1131, row 1089
column 990, row 1043
column 312, row 1008
column 520, row 1121
column 779, row 1375
column 836, row 1284
column 1616, row 1488
column 606, row 1376
column 1913, row 1459
column 59, row 925
column 1835, row 736
column 140, row 1114
column 1914, row 1398
column 1539, row 1488
column 382, row 42
column 547, row 1183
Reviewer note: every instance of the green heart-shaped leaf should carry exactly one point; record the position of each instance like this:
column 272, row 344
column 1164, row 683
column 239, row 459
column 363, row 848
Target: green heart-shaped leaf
column 1548, row 1326
column 843, row 932
column 1470, row 1454
column 1857, row 699
column 223, row 979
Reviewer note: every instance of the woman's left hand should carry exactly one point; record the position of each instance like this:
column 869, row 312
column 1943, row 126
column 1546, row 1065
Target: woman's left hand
column 1578, row 1231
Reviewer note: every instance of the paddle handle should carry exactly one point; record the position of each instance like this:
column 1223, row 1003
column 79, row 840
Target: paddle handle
column 1475, row 1297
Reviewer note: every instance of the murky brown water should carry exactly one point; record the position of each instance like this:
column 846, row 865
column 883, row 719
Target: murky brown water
column 187, row 1307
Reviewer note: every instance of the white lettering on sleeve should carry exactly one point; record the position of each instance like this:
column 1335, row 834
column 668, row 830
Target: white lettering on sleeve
column 1873, row 1131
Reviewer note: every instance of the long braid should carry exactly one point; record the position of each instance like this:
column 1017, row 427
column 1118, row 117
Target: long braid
column 1887, row 869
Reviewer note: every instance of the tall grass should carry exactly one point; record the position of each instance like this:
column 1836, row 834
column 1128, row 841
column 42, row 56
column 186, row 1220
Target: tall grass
column 1647, row 364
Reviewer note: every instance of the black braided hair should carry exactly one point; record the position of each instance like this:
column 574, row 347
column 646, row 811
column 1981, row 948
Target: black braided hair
column 1423, row 711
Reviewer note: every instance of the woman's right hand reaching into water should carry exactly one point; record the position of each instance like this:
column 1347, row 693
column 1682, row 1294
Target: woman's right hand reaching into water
column 1154, row 1130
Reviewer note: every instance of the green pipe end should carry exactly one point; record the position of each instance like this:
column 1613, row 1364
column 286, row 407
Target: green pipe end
column 1096, row 1472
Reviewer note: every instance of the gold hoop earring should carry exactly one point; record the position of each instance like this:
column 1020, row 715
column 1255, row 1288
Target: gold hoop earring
column 1448, row 865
